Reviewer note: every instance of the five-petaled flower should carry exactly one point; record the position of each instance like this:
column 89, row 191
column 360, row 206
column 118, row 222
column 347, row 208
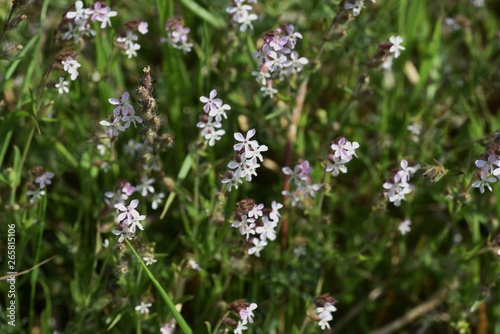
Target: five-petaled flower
column 396, row 45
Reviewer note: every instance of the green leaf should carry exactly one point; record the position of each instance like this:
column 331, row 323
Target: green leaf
column 209, row 327
column 216, row 22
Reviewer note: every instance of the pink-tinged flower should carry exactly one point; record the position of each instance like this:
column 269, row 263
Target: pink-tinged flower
column 405, row 173
column 211, row 102
column 168, row 328
column 44, row 179
column 245, row 143
column 101, row 14
column 177, row 35
column 128, row 213
column 344, row 149
column 143, row 27
column 122, row 106
column 246, row 314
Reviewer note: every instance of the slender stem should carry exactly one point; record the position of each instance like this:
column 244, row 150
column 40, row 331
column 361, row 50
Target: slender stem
column 7, row 22
column 168, row 301
column 297, row 112
column 219, row 323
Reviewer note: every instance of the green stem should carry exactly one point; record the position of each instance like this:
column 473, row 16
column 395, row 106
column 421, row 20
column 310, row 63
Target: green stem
column 170, row 305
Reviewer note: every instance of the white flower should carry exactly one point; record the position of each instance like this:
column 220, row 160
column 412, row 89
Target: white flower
column 150, row 259
column 325, row 314
column 156, row 200
column 337, row 166
column 143, row 27
column 79, row 15
column 192, row 263
column 146, row 186
column 240, row 328
column 256, row 211
column 267, row 230
column 396, row 45
column 136, row 223
column 128, row 213
column 71, row 66
column 484, row 182
column 246, row 314
column 258, row 246
column 245, row 143
column 403, row 175
column 144, row 307
column 275, row 215
column 62, row 86
column 404, row 226
column 211, row 102
column 269, row 90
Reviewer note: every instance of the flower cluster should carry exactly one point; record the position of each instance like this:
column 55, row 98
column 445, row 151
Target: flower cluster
column 277, row 59
column 303, row 188
column 127, row 39
column 355, row 6
column 397, row 185
column 177, row 35
column 123, row 115
column 251, row 219
column 128, row 220
column 246, row 160
column 210, row 122
column 488, row 168
column 341, row 152
column 43, row 179
column 244, row 310
column 324, row 308
column 78, row 24
column 241, row 14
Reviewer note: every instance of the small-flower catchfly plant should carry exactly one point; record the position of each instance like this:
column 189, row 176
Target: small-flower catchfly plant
column 488, row 167
column 245, row 161
column 241, row 14
column 177, row 35
column 397, row 185
column 277, row 58
column 324, row 309
column 301, row 189
column 210, row 121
